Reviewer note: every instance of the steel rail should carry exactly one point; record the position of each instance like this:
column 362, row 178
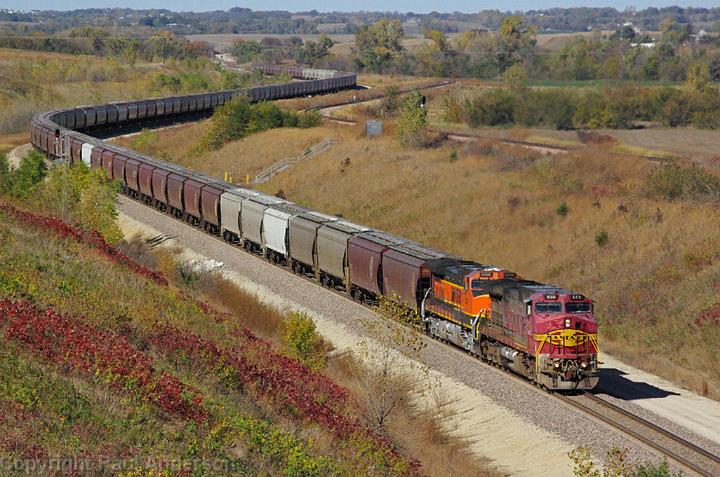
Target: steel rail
column 651, row 435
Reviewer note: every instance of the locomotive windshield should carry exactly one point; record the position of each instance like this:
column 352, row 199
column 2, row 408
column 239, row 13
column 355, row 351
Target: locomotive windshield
column 544, row 307
column 578, row 307
column 477, row 287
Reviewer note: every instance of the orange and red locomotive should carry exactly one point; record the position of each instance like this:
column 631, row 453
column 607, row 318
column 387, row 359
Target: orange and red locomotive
column 545, row 333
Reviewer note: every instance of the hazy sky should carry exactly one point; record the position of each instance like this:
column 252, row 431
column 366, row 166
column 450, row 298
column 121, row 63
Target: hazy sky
column 420, row 6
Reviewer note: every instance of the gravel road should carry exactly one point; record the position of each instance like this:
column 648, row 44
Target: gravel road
column 482, row 393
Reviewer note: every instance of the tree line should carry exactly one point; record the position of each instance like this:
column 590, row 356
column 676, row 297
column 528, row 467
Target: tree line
column 244, row 20
column 275, row 50
column 98, row 41
column 625, row 55
column 622, row 107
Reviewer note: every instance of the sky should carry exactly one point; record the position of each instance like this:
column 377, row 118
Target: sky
column 419, row 6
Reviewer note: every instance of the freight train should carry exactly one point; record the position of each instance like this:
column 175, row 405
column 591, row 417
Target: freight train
column 546, row 333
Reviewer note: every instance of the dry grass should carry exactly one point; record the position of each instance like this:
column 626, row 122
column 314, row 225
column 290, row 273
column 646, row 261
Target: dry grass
column 31, row 82
column 239, row 159
column 377, row 84
column 438, row 451
column 9, row 142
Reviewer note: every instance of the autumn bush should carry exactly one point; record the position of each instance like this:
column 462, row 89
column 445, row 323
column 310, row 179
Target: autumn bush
column 24, row 180
column 677, row 181
column 240, row 118
column 303, row 342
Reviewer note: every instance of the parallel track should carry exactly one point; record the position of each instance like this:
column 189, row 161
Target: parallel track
column 675, row 448
column 457, row 136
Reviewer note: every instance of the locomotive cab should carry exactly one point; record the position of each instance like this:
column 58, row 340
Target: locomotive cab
column 564, row 335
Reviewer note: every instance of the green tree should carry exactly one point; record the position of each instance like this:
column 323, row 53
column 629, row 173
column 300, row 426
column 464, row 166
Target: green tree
column 378, row 45
column 83, row 197
column 412, row 121
column 516, row 41
column 23, row 181
column 246, row 50
column 516, row 77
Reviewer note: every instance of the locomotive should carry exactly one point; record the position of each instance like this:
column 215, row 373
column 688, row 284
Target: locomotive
column 545, row 333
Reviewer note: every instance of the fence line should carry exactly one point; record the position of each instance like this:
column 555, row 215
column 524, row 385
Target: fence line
column 283, row 164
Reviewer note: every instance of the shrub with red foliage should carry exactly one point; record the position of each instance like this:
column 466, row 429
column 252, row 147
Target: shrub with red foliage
column 711, row 316
column 72, row 343
column 92, row 239
column 285, row 382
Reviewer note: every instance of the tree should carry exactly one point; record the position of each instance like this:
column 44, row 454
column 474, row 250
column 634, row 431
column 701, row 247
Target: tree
column 698, row 76
column 378, row 45
column 312, row 53
column 516, row 40
column 516, row 77
column 627, row 32
column 303, row 341
column 246, row 50
column 412, row 121
column 394, row 354
column 23, row 181
column 84, row 197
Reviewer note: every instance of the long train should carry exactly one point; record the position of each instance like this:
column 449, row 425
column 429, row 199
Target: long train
column 543, row 332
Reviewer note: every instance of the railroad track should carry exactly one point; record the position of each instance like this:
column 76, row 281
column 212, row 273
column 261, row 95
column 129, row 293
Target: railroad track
column 677, row 449
column 375, row 97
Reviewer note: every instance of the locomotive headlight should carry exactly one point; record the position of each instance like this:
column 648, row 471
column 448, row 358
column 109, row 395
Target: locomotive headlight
column 557, row 364
column 583, row 364
column 567, row 322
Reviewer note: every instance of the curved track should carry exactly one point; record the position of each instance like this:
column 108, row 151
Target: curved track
column 53, row 133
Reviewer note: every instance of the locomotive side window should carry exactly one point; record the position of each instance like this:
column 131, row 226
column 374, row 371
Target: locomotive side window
column 544, row 307
column 578, row 307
